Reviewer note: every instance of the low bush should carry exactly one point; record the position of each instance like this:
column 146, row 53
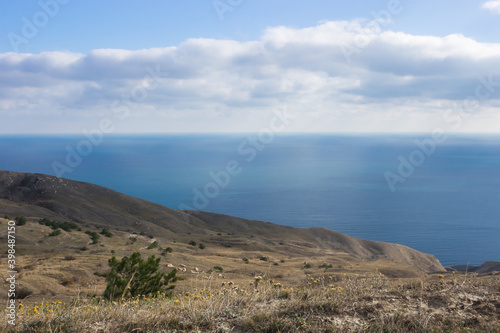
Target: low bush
column 55, row 233
column 20, row 220
column 94, row 236
column 325, row 266
column 106, row 232
column 66, row 226
column 133, row 276
column 153, row 245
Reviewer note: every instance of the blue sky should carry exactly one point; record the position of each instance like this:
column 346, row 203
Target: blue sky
column 229, row 65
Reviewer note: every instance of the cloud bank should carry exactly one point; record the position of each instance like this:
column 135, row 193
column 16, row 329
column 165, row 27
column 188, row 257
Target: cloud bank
column 493, row 6
column 337, row 77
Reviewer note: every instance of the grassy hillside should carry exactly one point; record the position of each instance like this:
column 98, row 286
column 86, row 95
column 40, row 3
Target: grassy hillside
column 37, row 195
column 61, row 278
column 335, row 303
column 68, row 264
column 247, row 276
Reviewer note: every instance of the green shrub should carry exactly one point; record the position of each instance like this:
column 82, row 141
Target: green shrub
column 325, row 266
column 201, row 246
column 133, row 239
column 55, row 233
column 66, row 226
column 93, row 235
column 20, row 220
column 153, row 245
column 193, row 243
column 218, row 268
column 307, row 266
column 264, row 258
column 245, row 259
column 167, row 250
column 6, row 217
column 132, row 276
column 106, row 232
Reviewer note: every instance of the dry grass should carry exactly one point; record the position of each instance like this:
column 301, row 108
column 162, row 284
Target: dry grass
column 56, row 268
column 353, row 295
column 326, row 303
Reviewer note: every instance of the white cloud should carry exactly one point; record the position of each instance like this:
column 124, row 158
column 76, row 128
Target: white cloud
column 493, row 5
column 393, row 82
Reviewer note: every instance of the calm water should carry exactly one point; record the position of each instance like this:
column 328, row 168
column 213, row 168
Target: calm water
column 449, row 206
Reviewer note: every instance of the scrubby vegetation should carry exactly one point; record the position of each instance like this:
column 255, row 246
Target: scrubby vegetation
column 66, row 226
column 321, row 304
column 325, row 266
column 167, row 250
column 56, row 232
column 106, row 232
column 350, row 293
column 135, row 277
column 94, row 236
column 153, row 245
column 20, row 220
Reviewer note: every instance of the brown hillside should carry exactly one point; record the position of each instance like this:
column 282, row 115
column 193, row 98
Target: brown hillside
column 37, row 195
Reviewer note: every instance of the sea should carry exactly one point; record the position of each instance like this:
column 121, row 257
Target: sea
column 437, row 194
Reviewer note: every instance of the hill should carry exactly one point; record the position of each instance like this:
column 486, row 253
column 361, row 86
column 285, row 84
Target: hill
column 38, row 195
column 235, row 275
column 487, row 267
